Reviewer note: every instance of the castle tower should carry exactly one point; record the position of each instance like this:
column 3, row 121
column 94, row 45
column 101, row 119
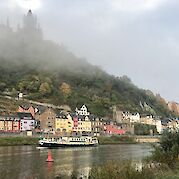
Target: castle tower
column 31, row 28
column 30, row 21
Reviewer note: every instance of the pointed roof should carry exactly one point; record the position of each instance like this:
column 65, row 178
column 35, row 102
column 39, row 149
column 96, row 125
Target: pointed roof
column 29, row 12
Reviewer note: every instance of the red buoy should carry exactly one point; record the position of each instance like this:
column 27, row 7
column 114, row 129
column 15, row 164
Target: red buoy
column 49, row 158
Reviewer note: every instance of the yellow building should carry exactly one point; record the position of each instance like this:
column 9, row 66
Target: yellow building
column 82, row 124
column 64, row 124
column 2, row 125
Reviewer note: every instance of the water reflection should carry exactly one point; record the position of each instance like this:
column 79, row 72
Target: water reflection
column 27, row 162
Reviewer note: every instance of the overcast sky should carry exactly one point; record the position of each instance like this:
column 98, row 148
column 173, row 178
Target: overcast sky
column 137, row 38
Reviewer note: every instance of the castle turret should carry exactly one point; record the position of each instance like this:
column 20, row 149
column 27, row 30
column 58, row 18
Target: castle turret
column 31, row 27
column 30, row 21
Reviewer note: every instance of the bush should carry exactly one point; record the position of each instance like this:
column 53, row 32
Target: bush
column 116, row 139
column 144, row 129
column 124, row 170
column 167, row 151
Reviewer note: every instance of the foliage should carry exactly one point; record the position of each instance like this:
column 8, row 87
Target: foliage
column 37, row 67
column 65, row 89
column 124, row 170
column 116, row 139
column 8, row 141
column 144, row 129
column 168, row 150
column 45, row 88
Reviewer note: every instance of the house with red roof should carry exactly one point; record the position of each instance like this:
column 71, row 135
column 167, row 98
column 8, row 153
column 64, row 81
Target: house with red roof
column 112, row 129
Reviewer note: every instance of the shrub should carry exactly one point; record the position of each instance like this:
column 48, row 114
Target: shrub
column 124, row 170
column 167, row 151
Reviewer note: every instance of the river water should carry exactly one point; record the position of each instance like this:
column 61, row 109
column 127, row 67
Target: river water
column 27, row 162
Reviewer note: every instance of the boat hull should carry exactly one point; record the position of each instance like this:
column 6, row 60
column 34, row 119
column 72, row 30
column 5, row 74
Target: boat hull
column 56, row 145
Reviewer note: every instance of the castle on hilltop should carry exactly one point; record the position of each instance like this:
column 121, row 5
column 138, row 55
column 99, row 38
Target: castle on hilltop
column 30, row 29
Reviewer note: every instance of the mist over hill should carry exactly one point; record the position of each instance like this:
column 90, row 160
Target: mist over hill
column 48, row 72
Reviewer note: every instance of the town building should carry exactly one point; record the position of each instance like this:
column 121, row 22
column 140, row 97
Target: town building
column 97, row 126
column 83, row 111
column 47, row 120
column 9, row 123
column 30, row 109
column 81, row 125
column 27, row 122
column 132, row 117
column 159, row 126
column 64, row 124
column 150, row 120
column 111, row 129
column 117, row 115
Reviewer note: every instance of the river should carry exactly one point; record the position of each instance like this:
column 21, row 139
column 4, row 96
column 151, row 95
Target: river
column 27, row 162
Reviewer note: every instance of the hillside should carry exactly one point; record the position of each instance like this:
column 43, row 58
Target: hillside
column 48, row 72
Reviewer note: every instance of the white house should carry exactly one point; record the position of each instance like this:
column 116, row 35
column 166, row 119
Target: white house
column 83, row 111
column 27, row 122
column 148, row 120
column 159, row 126
column 135, row 117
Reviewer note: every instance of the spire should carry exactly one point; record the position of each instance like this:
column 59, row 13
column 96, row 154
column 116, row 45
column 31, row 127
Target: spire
column 30, row 26
column 30, row 21
column 29, row 12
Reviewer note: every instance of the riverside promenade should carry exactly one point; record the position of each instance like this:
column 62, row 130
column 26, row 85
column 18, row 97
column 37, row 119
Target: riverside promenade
column 147, row 139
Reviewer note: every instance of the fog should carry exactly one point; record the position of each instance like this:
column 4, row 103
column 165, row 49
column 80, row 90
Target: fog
column 139, row 39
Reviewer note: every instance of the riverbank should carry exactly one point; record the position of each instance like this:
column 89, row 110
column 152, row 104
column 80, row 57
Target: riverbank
column 22, row 140
column 116, row 139
column 129, row 170
column 103, row 140
column 14, row 141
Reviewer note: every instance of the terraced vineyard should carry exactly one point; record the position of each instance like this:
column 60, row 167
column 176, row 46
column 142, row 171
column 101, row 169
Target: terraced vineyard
column 8, row 105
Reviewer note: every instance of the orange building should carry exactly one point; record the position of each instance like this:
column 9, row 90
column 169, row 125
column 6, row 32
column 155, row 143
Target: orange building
column 9, row 123
column 31, row 110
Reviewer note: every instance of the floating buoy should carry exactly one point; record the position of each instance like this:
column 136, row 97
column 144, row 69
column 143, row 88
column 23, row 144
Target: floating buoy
column 49, row 158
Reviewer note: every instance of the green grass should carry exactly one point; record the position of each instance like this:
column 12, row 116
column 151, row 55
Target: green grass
column 116, row 139
column 10, row 141
column 128, row 170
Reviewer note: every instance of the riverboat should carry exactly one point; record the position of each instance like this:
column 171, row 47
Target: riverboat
column 82, row 141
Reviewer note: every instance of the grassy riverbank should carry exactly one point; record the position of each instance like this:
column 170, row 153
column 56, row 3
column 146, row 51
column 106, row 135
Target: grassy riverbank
column 127, row 170
column 116, row 140
column 12, row 141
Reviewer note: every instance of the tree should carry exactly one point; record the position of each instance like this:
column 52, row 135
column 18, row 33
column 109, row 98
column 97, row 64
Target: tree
column 22, row 85
column 125, row 79
column 45, row 88
column 168, row 150
column 14, row 92
column 2, row 86
column 65, row 89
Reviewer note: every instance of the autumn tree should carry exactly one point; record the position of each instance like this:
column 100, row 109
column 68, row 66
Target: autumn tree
column 45, row 88
column 65, row 89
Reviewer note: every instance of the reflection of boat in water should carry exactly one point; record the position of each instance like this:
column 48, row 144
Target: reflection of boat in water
column 40, row 148
column 82, row 141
